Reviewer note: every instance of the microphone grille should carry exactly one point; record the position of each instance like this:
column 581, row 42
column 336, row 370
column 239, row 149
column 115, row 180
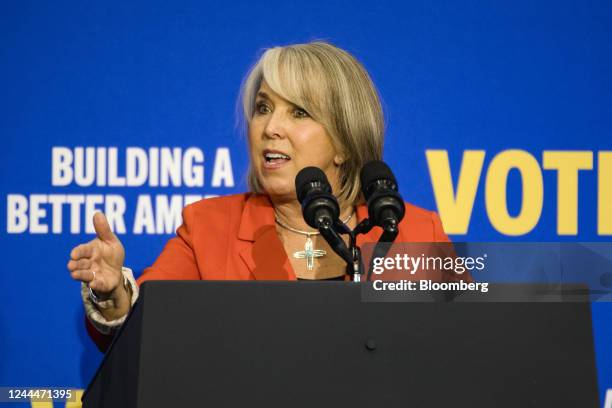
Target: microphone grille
column 375, row 170
column 309, row 175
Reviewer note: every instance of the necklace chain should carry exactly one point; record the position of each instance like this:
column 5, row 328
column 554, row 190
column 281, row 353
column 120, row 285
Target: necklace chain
column 307, row 233
column 309, row 253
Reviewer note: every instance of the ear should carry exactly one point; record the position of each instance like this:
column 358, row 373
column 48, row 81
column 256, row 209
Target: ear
column 338, row 159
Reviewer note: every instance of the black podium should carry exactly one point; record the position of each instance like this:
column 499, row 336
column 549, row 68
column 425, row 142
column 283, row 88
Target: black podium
column 317, row 344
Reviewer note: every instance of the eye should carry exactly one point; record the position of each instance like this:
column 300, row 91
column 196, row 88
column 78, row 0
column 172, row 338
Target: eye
column 261, row 108
column 300, row 113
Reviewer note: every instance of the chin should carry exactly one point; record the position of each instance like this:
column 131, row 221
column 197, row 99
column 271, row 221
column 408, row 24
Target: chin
column 280, row 190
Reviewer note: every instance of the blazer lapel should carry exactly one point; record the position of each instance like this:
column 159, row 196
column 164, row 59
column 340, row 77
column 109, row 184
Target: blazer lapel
column 262, row 251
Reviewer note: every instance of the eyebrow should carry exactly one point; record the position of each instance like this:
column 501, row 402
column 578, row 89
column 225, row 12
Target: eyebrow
column 264, row 95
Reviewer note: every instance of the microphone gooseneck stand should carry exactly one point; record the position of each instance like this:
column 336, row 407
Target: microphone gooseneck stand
column 352, row 253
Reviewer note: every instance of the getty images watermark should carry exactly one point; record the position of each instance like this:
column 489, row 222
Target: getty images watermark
column 488, row 272
column 451, row 268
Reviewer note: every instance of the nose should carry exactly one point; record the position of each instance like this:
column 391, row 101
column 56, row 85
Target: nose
column 275, row 126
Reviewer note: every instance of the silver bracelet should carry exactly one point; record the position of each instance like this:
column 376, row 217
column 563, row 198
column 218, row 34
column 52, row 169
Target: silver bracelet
column 93, row 297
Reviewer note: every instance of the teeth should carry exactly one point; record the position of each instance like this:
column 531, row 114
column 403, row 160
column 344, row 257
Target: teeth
column 272, row 156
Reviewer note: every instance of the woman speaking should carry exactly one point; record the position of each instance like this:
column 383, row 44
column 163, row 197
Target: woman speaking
column 304, row 105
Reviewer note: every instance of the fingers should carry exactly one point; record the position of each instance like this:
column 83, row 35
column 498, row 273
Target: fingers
column 83, row 275
column 102, row 228
column 91, row 278
column 82, row 251
column 80, row 264
column 100, row 255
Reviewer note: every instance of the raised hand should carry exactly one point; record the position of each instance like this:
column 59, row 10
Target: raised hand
column 98, row 262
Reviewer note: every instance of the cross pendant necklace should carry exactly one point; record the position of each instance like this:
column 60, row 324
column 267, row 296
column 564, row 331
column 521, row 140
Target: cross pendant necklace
column 309, row 253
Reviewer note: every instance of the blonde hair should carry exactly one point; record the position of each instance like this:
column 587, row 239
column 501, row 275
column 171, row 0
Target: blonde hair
column 336, row 90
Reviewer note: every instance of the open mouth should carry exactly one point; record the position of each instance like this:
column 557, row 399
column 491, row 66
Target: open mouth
column 275, row 158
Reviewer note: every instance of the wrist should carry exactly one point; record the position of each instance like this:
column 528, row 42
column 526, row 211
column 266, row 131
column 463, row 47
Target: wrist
column 121, row 296
column 114, row 299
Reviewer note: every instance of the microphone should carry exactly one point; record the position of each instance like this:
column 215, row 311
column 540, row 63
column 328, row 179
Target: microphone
column 385, row 205
column 319, row 206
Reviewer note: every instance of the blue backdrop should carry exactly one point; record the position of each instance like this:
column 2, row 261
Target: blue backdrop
column 481, row 98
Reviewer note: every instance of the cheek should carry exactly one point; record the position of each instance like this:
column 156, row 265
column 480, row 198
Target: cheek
column 252, row 142
column 323, row 153
column 316, row 146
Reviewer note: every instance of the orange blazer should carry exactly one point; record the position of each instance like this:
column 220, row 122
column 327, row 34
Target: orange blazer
column 234, row 238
